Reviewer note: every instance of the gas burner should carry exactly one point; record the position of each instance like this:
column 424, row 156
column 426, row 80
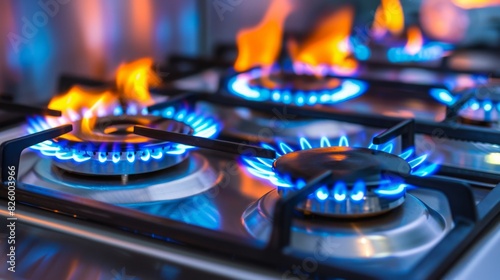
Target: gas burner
column 482, row 109
column 350, row 197
column 105, row 145
column 288, row 88
column 114, row 134
column 411, row 229
column 359, row 193
column 193, row 176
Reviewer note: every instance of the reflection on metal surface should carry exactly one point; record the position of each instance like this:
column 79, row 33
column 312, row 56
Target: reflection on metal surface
column 408, row 231
column 461, row 153
column 198, row 210
column 193, row 176
column 493, row 158
column 263, row 167
column 257, row 127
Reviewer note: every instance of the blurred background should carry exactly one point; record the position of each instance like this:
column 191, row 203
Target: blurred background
column 40, row 40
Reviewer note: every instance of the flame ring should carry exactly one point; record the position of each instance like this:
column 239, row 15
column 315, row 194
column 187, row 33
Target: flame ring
column 202, row 126
column 239, row 85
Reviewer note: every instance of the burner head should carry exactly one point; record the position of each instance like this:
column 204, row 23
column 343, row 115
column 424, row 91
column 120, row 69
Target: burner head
column 290, row 88
column 365, row 173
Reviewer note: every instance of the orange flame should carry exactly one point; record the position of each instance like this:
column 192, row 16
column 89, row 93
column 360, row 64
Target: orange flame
column 133, row 80
column 388, row 17
column 132, row 84
column 261, row 45
column 79, row 99
column 475, row 4
column 443, row 20
column 329, row 43
column 82, row 102
column 415, row 40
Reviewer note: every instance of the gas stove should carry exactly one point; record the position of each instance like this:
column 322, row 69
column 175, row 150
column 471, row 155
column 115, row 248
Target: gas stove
column 261, row 188
column 308, row 157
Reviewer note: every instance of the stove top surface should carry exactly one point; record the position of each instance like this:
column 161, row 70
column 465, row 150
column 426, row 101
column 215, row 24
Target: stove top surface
column 251, row 202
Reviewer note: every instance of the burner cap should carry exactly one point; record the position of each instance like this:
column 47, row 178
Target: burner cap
column 114, row 149
column 364, row 172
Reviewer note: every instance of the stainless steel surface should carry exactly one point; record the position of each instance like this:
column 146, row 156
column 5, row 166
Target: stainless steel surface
column 189, row 178
column 406, row 232
column 223, row 206
column 58, row 247
column 480, row 262
column 278, row 125
column 476, row 156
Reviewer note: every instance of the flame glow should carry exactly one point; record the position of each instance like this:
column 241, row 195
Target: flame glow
column 443, row 20
column 201, row 125
column 132, row 84
column 475, row 4
column 263, row 168
column 130, row 96
column 329, row 44
column 389, row 17
column 415, row 40
column 261, row 45
column 133, row 80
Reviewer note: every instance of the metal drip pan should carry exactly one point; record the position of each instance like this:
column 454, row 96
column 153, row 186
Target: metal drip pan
column 191, row 177
column 410, row 229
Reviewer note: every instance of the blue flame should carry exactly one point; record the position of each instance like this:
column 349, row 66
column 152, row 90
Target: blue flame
column 340, row 191
column 263, row 168
column 360, row 50
column 446, row 97
column 443, row 95
column 400, row 188
column 348, row 89
column 358, row 191
column 430, row 51
column 322, row 193
column 201, row 125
